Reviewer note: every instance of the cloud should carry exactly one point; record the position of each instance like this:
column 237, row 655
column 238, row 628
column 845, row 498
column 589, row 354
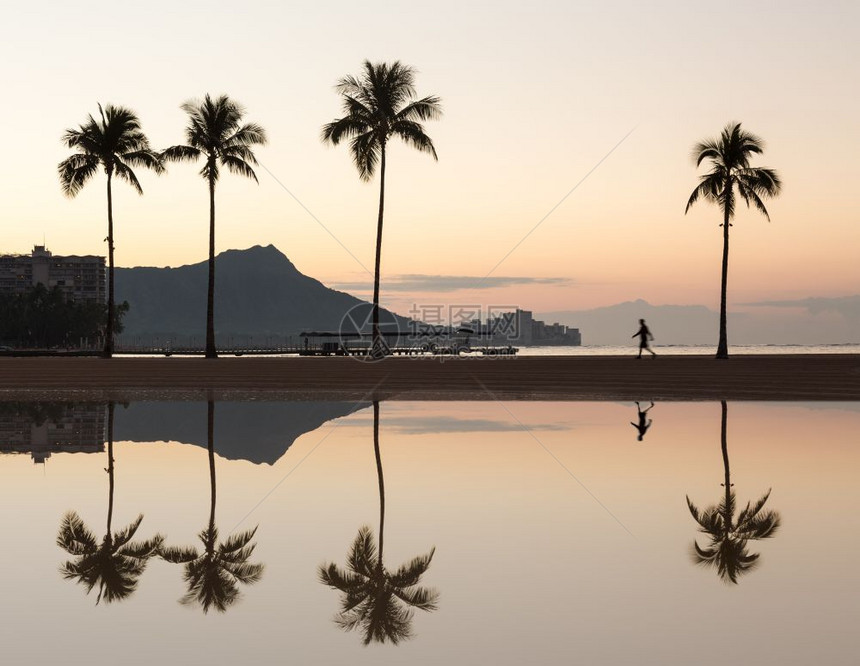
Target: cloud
column 847, row 306
column 448, row 424
column 419, row 282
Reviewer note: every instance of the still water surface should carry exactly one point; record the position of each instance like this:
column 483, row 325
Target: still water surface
column 460, row 533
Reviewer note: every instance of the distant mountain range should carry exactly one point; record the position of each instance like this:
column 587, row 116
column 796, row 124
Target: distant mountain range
column 803, row 322
column 259, row 292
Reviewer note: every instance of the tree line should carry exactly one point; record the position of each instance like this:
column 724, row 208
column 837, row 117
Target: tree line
column 44, row 318
column 379, row 104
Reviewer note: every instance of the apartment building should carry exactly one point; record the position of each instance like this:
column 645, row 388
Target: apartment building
column 81, row 278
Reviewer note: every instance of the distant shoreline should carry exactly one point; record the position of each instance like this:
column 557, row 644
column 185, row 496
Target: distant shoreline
column 770, row 377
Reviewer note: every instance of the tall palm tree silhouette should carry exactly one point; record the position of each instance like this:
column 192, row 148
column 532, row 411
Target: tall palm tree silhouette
column 115, row 564
column 215, row 131
column 373, row 598
column 727, row 550
column 730, row 168
column 116, row 143
column 213, row 574
column 378, row 105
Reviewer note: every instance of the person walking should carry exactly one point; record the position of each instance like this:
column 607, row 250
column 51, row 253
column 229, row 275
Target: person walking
column 644, row 336
column 644, row 422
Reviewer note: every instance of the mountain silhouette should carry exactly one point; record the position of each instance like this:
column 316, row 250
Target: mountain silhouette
column 259, row 293
column 260, row 432
column 805, row 321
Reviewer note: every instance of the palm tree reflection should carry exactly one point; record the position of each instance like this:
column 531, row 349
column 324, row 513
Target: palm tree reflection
column 115, row 564
column 727, row 549
column 213, row 575
column 374, row 599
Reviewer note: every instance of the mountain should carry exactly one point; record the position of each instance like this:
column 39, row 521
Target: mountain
column 259, row 292
column 615, row 324
column 804, row 322
column 260, row 432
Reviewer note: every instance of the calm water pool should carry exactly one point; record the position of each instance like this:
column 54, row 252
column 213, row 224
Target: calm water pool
column 513, row 533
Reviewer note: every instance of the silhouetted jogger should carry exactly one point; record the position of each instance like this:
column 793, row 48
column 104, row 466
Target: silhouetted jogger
column 644, row 336
column 642, row 426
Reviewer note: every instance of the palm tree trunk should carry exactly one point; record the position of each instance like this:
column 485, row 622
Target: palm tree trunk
column 380, row 477
column 210, row 444
column 728, row 479
column 210, row 298
column 723, row 345
column 377, row 347
column 108, row 350
column 110, row 467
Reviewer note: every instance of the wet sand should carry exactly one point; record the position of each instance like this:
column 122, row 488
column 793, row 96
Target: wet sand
column 765, row 377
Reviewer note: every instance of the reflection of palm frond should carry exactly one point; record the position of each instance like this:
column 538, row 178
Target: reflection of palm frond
column 114, row 565
column 376, row 600
column 727, row 550
column 213, row 574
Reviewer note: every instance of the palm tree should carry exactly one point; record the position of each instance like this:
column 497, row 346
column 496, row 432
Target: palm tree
column 115, row 564
column 727, row 550
column 373, row 598
column 730, row 168
column 213, row 574
column 378, row 105
column 215, row 131
column 115, row 143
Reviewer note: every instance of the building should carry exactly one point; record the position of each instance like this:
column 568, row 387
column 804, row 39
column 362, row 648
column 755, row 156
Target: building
column 80, row 278
column 521, row 328
column 76, row 428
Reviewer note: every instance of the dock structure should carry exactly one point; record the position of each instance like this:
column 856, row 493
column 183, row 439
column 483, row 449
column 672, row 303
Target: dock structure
column 310, row 343
column 397, row 343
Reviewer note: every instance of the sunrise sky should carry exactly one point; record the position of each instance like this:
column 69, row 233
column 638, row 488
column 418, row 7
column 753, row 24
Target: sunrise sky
column 534, row 95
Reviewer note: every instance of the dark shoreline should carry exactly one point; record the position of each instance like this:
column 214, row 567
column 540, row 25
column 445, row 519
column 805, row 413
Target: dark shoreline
column 834, row 377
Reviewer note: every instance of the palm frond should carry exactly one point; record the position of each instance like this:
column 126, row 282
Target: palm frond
column 124, row 173
column 709, row 188
column 238, row 166
column 247, row 135
column 180, row 154
column 74, row 537
column 366, row 150
column 114, row 141
column 426, row 108
column 142, row 550
column 423, row 598
column 213, row 575
column 411, row 572
column 378, row 104
column 374, row 600
column 75, row 171
column 413, row 134
column 215, row 130
column 730, row 156
column 124, row 535
column 176, row 555
column 114, row 566
column 343, row 128
column 145, row 158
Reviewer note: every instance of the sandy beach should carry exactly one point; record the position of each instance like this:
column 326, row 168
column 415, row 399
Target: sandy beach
column 772, row 377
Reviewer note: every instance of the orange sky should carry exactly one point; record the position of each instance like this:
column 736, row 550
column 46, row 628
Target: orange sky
column 534, row 97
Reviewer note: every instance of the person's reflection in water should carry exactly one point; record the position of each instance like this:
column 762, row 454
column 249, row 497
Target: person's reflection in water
column 374, row 599
column 114, row 565
column 643, row 423
column 727, row 550
column 213, row 575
